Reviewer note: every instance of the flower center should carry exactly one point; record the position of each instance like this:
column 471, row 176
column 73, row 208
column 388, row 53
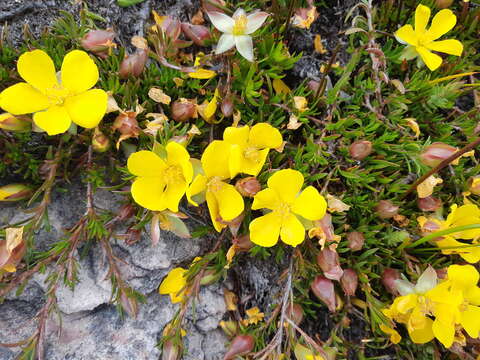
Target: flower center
column 173, row 174
column 57, row 95
column 252, row 153
column 283, row 210
column 240, row 25
column 215, row 184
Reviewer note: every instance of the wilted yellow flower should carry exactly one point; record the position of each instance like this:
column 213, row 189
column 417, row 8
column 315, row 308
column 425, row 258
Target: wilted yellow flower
column 15, row 123
column 56, row 102
column 287, row 202
column 250, row 147
column 300, row 103
column 394, row 335
column 15, row 192
column 254, row 316
column 160, row 183
column 223, row 200
column 201, row 73
column 425, row 188
column 12, row 249
column 421, row 42
column 174, row 285
column 208, row 109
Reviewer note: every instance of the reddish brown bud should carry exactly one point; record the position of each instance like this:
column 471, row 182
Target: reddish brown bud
column 313, row 85
column 243, row 242
column 355, row 240
column 19, row 123
column 133, row 65
column 324, row 290
column 241, row 345
column 329, row 262
column 171, row 351
column 171, row 27
column 295, row 313
column 389, row 276
column 360, row 149
column 100, row 143
column 386, row 210
column 127, row 124
column 209, row 5
column 429, row 203
column 199, row 34
column 183, row 110
column 443, row 4
column 15, row 192
column 349, row 282
column 227, row 106
column 132, row 236
column 98, row 41
column 248, row 186
column 434, row 154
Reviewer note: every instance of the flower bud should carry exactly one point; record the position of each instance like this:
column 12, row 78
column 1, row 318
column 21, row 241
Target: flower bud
column 349, row 282
column 389, row 276
column 474, row 185
column 248, row 186
column 355, row 240
column 324, row 290
column 229, row 327
column 15, row 192
column 295, row 313
column 429, row 225
column 15, row 123
column 98, row 41
column 210, row 277
column 435, row 153
column 129, row 304
column 100, row 143
column 386, row 210
column 227, row 106
column 313, row 85
column 241, row 345
column 329, row 262
column 199, row 34
column 443, row 4
column 171, row 351
column 429, row 203
column 243, row 243
column 360, row 149
column 133, row 65
column 183, row 110
column 132, row 236
column 126, row 123
column 209, row 5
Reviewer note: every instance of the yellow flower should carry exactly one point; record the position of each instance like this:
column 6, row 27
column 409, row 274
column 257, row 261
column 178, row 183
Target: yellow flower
column 287, row 203
column 464, row 215
column 250, row 147
column 223, row 200
column 56, row 102
column 422, row 41
column 174, row 285
column 394, row 335
column 201, row 73
column 254, row 316
column 160, row 184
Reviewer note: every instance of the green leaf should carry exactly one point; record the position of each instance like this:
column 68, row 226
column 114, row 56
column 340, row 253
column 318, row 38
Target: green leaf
column 125, row 3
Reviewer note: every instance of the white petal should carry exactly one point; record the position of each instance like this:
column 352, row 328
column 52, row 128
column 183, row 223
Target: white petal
column 426, row 281
column 226, row 42
column 404, row 287
column 255, row 20
column 245, row 46
column 222, row 22
column 238, row 12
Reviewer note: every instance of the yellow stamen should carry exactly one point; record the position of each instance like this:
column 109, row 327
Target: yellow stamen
column 240, row 25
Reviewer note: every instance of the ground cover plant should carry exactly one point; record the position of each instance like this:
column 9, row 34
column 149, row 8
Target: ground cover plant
column 357, row 188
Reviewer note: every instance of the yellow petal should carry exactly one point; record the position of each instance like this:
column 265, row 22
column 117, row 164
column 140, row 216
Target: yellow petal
column 149, row 193
column 442, row 22
column 215, row 159
column 287, row 183
column 266, row 199
column 470, row 320
column 300, row 103
column 173, row 194
column 292, row 231
column 422, row 335
column 463, row 276
column 37, row 69
column 433, row 61
column 173, row 284
column 239, row 163
column 178, row 155
column 199, row 184
column 202, row 74
column 407, row 34
column 87, row 109
column 54, row 120
column 445, row 333
column 451, row 46
column 79, row 72
column 213, row 210
column 425, row 188
column 280, row 87
column 422, row 15
column 264, row 230
column 22, row 98
column 394, row 335
column 414, row 126
column 230, row 202
column 237, row 135
column 146, row 163
column 263, row 135
column 310, row 204
column 236, row 161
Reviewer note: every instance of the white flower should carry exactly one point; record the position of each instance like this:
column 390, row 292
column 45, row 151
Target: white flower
column 236, row 30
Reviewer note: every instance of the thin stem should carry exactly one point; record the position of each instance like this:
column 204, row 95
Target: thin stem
column 437, row 234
